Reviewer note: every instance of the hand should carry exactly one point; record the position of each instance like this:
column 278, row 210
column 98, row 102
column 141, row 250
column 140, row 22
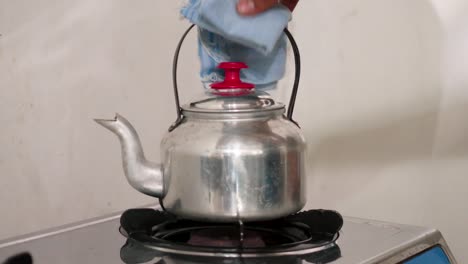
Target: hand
column 253, row 7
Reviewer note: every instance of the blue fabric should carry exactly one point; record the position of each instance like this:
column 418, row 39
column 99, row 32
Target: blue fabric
column 224, row 35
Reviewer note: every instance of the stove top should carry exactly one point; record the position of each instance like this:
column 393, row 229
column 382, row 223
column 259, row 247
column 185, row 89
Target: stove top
column 157, row 238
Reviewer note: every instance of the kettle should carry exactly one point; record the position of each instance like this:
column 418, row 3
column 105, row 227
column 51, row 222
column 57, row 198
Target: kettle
column 235, row 155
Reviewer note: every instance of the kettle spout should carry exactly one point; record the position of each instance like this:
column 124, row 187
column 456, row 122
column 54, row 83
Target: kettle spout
column 143, row 175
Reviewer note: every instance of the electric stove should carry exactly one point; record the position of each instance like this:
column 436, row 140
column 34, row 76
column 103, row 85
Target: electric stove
column 149, row 235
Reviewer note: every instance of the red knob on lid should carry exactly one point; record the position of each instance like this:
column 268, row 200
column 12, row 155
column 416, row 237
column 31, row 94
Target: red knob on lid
column 232, row 77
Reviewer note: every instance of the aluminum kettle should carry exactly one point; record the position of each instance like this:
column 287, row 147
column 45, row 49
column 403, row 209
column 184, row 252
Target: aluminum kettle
column 235, row 155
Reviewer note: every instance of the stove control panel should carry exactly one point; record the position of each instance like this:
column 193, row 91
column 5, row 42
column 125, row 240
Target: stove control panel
column 435, row 255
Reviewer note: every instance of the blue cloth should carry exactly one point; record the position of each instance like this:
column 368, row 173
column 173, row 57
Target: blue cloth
column 224, row 35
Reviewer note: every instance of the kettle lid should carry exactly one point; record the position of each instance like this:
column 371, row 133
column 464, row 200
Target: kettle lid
column 232, row 95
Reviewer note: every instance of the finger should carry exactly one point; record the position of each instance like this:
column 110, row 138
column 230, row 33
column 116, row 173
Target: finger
column 252, row 7
column 291, row 4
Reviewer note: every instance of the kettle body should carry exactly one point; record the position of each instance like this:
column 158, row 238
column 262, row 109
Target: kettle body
column 248, row 167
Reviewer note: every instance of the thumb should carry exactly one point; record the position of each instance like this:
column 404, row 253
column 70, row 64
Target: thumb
column 253, row 7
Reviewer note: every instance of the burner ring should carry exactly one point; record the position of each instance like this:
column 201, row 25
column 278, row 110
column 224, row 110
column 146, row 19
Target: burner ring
column 164, row 239
column 280, row 235
column 180, row 249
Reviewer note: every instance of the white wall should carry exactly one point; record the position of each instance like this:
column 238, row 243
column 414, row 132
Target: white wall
column 63, row 63
column 382, row 104
column 384, row 101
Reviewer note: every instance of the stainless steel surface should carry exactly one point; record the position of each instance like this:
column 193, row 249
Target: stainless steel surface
column 222, row 166
column 386, row 243
column 94, row 241
column 141, row 174
column 98, row 241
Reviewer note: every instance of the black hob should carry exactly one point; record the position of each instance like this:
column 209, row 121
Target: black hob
column 308, row 235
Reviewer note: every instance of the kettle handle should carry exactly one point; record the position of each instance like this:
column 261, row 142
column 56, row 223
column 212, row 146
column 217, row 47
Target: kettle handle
column 292, row 100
